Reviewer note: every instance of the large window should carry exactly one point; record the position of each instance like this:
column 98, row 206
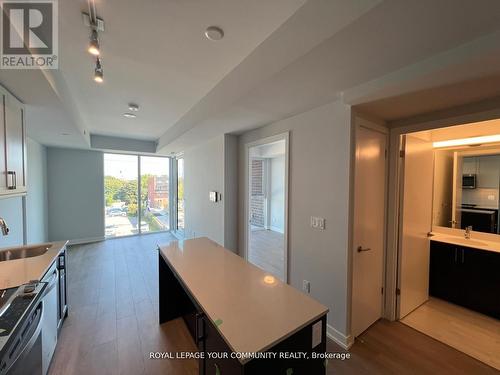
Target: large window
column 155, row 194
column 125, row 213
column 180, row 195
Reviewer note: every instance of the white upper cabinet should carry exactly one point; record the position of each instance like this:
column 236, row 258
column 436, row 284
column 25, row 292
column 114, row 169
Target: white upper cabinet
column 469, row 165
column 12, row 145
column 488, row 171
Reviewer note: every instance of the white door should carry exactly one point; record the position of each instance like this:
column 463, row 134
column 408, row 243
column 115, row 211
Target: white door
column 368, row 235
column 416, row 224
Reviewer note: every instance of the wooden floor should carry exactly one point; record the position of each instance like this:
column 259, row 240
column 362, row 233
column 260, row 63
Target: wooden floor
column 113, row 324
column 267, row 251
column 475, row 334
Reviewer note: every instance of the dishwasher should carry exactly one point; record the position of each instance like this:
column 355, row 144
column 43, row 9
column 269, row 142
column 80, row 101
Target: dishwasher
column 50, row 316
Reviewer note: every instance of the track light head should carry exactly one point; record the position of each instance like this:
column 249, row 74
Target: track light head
column 98, row 72
column 94, row 48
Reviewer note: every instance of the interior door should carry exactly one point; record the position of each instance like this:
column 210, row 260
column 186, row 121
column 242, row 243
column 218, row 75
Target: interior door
column 368, row 235
column 456, row 211
column 416, row 223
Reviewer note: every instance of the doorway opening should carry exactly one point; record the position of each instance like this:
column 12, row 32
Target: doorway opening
column 266, row 202
column 448, row 251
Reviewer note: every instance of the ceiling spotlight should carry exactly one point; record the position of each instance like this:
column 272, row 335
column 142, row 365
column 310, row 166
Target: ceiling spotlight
column 129, row 115
column 98, row 72
column 94, row 44
column 214, row 33
column 133, row 107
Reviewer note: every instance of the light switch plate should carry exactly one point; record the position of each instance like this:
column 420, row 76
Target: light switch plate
column 317, row 222
column 317, row 329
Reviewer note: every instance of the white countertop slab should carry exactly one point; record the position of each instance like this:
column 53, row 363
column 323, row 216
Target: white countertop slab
column 255, row 314
column 476, row 243
column 20, row 271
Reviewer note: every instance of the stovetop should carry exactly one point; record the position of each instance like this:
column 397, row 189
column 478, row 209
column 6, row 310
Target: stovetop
column 14, row 303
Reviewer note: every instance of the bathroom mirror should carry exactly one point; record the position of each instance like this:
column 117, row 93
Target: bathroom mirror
column 466, row 187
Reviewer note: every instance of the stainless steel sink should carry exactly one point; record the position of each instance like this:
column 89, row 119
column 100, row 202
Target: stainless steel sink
column 24, row 252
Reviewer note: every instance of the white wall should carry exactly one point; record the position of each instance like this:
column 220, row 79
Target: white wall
column 36, row 200
column 11, row 210
column 75, row 186
column 277, row 194
column 212, row 166
column 319, row 186
column 204, row 172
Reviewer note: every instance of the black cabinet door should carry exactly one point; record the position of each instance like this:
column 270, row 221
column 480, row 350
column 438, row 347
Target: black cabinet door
column 215, row 348
column 480, row 288
column 444, row 273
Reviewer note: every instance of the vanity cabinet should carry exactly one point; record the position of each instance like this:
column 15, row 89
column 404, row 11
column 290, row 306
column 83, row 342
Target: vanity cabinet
column 466, row 276
column 12, row 145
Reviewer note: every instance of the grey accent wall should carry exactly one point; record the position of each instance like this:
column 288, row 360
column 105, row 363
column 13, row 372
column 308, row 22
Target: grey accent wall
column 318, row 186
column 75, row 194
column 36, row 199
column 212, row 166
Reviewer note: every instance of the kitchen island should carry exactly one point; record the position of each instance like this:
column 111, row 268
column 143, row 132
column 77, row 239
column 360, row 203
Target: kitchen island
column 243, row 320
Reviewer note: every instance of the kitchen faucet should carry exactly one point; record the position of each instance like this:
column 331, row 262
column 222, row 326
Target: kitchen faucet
column 467, row 232
column 3, row 227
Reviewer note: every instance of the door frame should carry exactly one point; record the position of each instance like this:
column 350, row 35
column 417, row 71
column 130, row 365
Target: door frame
column 361, row 121
column 278, row 137
column 467, row 114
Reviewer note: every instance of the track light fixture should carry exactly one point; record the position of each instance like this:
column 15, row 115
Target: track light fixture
column 98, row 72
column 94, row 43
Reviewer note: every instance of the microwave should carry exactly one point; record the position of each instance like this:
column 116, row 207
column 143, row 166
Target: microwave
column 469, row 181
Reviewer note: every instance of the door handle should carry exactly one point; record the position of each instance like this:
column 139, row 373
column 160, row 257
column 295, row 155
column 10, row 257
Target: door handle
column 360, row 249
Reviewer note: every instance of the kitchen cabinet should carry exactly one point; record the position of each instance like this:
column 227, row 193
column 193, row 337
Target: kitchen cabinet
column 12, row 145
column 466, row 276
column 469, row 165
column 488, row 173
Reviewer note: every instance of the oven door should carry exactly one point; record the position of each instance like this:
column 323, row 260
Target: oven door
column 27, row 349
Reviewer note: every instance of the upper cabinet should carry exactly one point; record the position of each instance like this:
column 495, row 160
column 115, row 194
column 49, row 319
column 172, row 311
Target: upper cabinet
column 486, row 168
column 488, row 171
column 12, row 145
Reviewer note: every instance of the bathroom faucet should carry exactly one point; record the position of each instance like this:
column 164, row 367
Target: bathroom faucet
column 3, row 227
column 467, row 232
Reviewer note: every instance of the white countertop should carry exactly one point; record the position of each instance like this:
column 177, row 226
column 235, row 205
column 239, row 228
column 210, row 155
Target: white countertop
column 20, row 271
column 476, row 243
column 255, row 310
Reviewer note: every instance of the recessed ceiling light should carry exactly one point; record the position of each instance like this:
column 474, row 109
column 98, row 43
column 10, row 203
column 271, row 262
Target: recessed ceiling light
column 65, row 134
column 129, row 115
column 467, row 141
column 133, row 107
column 214, row 33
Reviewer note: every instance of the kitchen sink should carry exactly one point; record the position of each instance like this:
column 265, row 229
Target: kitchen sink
column 23, row 252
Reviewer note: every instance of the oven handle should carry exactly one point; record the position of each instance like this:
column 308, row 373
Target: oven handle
column 29, row 345
column 51, row 283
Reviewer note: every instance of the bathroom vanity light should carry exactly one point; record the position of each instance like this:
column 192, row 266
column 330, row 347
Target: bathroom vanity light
column 467, row 141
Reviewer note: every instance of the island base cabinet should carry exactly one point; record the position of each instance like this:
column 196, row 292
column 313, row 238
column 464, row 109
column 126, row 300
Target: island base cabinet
column 175, row 301
column 220, row 360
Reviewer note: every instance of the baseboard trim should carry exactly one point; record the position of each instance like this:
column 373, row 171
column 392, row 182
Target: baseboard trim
column 276, row 229
column 344, row 341
column 85, row 240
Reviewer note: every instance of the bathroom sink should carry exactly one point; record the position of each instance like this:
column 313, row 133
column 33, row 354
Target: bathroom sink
column 23, row 252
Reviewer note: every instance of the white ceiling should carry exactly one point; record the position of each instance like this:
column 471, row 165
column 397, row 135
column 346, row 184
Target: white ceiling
column 278, row 58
